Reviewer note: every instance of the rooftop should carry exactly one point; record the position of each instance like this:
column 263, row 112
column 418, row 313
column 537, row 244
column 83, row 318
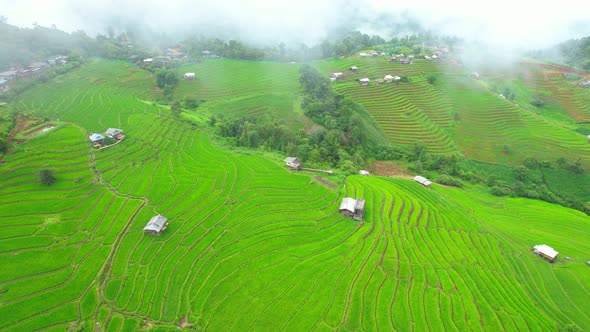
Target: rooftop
column 156, row 223
column 546, row 250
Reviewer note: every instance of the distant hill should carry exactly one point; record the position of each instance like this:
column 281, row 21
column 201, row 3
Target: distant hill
column 574, row 52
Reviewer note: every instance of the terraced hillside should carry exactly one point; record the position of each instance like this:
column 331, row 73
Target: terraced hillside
column 457, row 113
column 251, row 246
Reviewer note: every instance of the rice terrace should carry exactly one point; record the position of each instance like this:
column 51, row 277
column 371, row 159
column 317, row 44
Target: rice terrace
column 275, row 190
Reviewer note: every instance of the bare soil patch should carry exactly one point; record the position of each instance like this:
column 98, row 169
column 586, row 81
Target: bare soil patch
column 22, row 124
column 389, row 168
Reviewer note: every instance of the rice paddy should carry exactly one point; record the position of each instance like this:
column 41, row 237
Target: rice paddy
column 251, row 245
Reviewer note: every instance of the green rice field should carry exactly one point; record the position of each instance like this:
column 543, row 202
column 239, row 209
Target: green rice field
column 252, row 246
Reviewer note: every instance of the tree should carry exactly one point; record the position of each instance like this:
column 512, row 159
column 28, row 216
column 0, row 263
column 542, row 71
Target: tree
column 537, row 102
column 175, row 107
column 431, row 79
column 166, row 78
column 46, row 176
column 3, row 145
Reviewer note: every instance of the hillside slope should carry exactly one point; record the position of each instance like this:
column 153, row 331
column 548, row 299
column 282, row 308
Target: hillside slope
column 251, row 245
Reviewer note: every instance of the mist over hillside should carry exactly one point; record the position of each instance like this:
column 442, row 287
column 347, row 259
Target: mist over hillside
column 505, row 26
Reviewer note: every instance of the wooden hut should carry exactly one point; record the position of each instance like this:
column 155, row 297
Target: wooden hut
column 156, row 226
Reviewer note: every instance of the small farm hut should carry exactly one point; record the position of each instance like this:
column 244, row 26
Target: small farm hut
column 379, row 81
column 363, row 172
column 293, row 163
column 475, row 75
column 96, row 138
column 364, row 81
column 189, row 76
column 114, row 133
column 585, row 84
column 156, row 226
column 352, row 207
column 423, row 181
column 353, row 68
column 337, row 75
column 545, row 251
column 390, row 78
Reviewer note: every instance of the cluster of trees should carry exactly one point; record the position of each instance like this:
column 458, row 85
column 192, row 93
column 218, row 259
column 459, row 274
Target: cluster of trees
column 574, row 53
column 343, row 141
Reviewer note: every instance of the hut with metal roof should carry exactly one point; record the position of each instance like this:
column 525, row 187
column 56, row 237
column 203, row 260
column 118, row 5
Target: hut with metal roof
column 352, row 207
column 156, row 226
column 546, row 252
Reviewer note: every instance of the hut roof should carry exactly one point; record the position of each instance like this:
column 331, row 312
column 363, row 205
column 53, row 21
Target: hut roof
column 156, row 223
column 422, row 180
column 546, row 250
column 96, row 137
column 348, row 203
column 113, row 132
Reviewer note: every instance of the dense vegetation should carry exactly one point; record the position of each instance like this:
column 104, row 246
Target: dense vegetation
column 574, row 52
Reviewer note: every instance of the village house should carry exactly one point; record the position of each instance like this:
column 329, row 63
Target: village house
column 189, row 76
column 206, row 54
column 353, row 68
column 374, row 54
column 363, row 172
column 58, row 60
column 379, row 81
column 475, row 75
column 115, row 133
column 392, row 59
column 546, row 252
column 148, row 60
column 336, row 76
column 363, row 55
column 293, row 163
column 428, row 58
column 405, row 61
column 9, row 75
column 156, row 226
column 423, row 181
column 96, row 139
column 351, row 207
column 364, row 81
column 390, row 78
column 584, row 84
column 134, row 58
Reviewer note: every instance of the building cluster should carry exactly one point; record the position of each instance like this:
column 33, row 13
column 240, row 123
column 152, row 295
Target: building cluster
column 352, row 207
column 112, row 133
column 32, row 71
column 584, row 84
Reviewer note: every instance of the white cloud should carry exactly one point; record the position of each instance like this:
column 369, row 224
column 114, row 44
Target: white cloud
column 504, row 23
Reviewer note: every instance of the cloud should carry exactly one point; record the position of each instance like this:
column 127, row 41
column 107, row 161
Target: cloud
column 505, row 24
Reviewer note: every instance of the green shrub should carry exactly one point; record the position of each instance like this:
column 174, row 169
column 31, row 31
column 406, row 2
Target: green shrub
column 500, row 191
column 450, row 181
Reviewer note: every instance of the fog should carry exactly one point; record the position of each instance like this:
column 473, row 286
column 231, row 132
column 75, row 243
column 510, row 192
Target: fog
column 507, row 25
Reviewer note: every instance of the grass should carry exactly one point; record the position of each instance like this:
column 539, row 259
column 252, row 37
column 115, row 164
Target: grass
column 251, row 245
